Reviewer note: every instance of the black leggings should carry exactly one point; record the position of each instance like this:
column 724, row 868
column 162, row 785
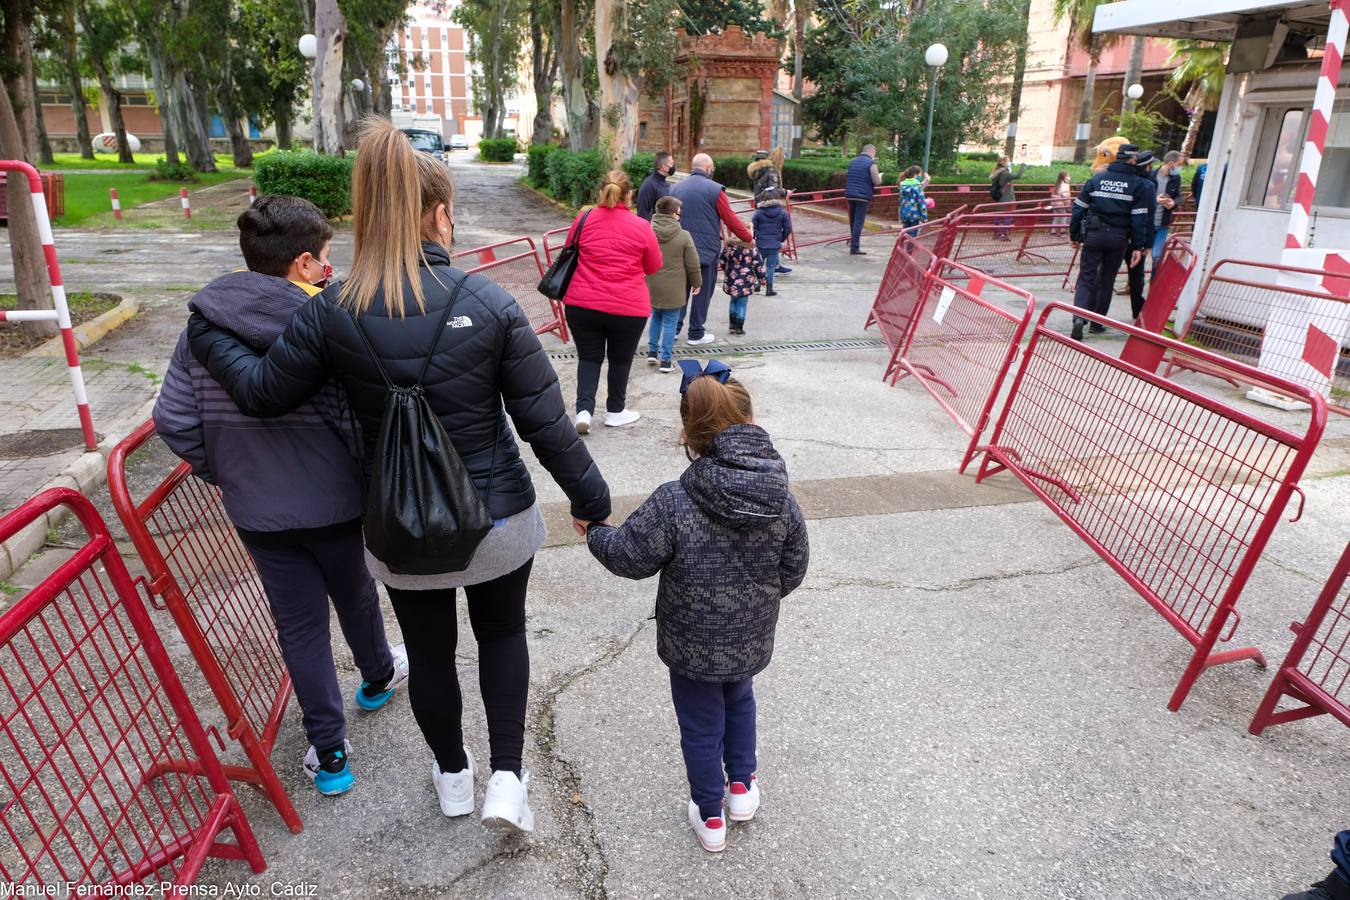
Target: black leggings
column 430, row 630
column 599, row 336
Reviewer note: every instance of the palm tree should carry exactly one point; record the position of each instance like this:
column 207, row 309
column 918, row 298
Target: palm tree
column 1200, row 72
column 1019, row 76
column 1080, row 14
column 1134, row 70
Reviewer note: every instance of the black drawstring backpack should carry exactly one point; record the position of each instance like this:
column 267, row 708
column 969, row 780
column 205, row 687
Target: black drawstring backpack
column 423, row 515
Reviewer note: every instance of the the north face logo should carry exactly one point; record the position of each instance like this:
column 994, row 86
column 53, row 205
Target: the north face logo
column 460, row 322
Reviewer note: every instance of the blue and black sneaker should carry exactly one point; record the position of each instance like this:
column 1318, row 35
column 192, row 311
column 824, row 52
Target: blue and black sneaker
column 329, row 770
column 371, row 695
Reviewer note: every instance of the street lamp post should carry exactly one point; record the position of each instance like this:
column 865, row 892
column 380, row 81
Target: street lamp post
column 359, row 90
column 1134, row 91
column 936, row 57
column 308, row 46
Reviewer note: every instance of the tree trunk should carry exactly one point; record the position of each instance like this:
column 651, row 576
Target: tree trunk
column 620, row 92
column 1133, row 71
column 330, row 26
column 30, row 276
column 801, row 11
column 19, row 75
column 70, row 50
column 1080, row 150
column 44, row 145
column 164, row 100
column 192, row 122
column 544, row 57
column 114, row 98
column 281, row 115
column 583, row 116
column 1197, row 106
column 1019, row 75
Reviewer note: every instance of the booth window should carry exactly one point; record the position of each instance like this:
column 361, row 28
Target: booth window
column 1279, row 152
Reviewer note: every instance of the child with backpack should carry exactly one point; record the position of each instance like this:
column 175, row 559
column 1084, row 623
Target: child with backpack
column 772, row 224
column 729, row 542
column 743, row 271
column 670, row 286
column 292, row 485
column 913, row 201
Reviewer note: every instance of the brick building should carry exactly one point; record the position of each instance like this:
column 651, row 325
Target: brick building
column 724, row 102
column 437, row 78
column 1052, row 92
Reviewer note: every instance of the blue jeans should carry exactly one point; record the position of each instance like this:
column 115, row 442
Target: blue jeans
column 661, row 332
column 738, row 307
column 770, row 263
column 1159, row 238
column 717, row 727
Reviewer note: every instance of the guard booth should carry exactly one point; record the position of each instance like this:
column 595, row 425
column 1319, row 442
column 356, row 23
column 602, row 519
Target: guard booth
column 1278, row 186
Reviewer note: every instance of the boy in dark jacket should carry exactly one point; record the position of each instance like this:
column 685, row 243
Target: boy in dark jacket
column 772, row 225
column 744, row 273
column 729, row 542
column 291, row 485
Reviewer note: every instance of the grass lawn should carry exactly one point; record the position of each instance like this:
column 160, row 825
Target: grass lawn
column 87, row 192
column 147, row 160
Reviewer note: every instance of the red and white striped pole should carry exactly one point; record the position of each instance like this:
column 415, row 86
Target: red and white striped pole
column 61, row 314
column 1300, row 211
column 183, row 199
column 252, row 194
column 116, row 204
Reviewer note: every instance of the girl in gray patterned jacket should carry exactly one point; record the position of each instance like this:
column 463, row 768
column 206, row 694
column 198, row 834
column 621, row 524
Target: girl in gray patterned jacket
column 729, row 542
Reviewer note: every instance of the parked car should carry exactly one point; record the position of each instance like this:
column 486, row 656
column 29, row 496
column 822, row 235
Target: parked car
column 425, row 141
column 458, row 142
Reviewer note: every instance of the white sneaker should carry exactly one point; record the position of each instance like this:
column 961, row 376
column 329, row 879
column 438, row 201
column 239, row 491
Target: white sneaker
column 583, row 422
column 712, row 834
column 627, row 417
column 743, row 802
column 708, row 338
column 455, row 790
column 507, row 802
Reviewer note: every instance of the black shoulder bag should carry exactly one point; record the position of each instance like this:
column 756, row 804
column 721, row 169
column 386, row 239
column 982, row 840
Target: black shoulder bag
column 559, row 275
column 423, row 515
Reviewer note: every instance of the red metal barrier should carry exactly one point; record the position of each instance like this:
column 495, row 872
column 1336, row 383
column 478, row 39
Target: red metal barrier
column 821, row 217
column 1015, row 244
column 903, row 286
column 554, row 241
column 53, row 193
column 1164, row 289
column 961, row 345
column 1316, row 672
column 200, row 569
column 1237, row 301
column 519, row 275
column 1176, row 491
column 106, row 773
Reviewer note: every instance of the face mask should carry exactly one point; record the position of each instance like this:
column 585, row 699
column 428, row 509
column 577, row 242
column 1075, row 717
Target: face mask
column 327, row 274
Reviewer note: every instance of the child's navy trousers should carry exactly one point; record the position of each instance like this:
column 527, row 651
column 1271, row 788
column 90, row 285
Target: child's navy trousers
column 717, row 729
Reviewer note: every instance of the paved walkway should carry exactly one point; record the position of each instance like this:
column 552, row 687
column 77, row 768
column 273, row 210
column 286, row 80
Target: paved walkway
column 964, row 700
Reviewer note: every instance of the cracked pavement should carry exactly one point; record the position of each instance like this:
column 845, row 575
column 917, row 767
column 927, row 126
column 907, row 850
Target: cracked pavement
column 964, row 700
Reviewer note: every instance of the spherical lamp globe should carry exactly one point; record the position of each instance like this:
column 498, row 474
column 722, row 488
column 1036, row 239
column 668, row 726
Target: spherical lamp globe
column 309, row 46
column 358, row 85
column 936, row 55
column 1134, row 91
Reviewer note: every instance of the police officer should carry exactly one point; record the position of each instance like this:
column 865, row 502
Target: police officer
column 1143, row 165
column 1110, row 219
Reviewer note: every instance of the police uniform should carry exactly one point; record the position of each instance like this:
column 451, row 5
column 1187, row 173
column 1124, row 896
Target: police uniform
column 1144, row 169
column 1110, row 219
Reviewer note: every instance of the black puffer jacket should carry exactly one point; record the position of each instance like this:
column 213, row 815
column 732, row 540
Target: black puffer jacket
column 730, row 542
column 487, row 356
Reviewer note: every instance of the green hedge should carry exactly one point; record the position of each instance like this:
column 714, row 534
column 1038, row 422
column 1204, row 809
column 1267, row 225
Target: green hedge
column 638, row 167
column 325, row 181
column 536, row 171
column 575, row 177
column 497, row 149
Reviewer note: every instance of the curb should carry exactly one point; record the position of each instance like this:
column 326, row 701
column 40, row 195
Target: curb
column 91, row 332
column 86, row 474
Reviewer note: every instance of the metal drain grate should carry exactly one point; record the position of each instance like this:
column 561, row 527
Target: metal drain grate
column 746, row 349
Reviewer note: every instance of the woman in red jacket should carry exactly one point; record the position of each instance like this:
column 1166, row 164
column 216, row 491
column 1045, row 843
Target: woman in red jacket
column 607, row 299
